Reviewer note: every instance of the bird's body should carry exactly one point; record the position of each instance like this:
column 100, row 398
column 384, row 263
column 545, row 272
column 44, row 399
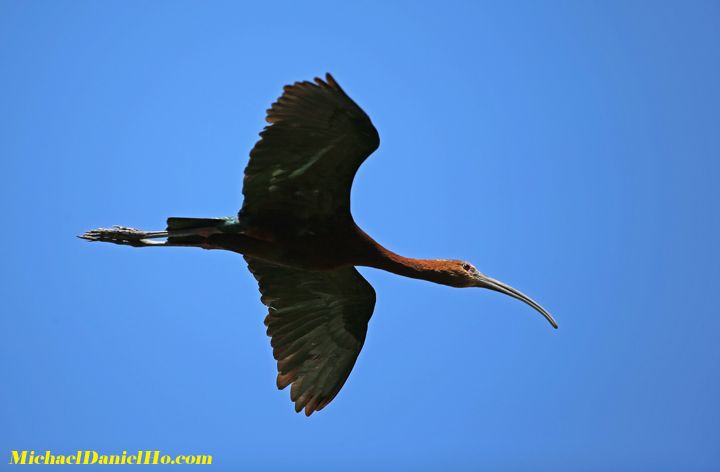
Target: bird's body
column 335, row 247
column 301, row 243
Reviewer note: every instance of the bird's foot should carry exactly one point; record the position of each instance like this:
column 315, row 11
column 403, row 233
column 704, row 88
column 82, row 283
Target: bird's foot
column 124, row 236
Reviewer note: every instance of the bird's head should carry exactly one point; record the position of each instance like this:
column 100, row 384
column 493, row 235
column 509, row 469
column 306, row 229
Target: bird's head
column 464, row 274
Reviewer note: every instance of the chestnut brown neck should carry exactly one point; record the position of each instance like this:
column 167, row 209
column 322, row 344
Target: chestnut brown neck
column 379, row 257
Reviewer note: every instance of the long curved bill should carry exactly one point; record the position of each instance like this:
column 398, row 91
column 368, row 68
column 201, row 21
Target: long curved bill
column 496, row 285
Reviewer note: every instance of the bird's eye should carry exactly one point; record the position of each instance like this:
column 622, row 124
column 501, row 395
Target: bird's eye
column 467, row 267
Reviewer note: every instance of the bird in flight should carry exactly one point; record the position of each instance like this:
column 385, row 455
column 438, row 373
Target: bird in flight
column 300, row 241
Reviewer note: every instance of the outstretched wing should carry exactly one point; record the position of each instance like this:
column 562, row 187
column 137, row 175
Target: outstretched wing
column 317, row 322
column 304, row 164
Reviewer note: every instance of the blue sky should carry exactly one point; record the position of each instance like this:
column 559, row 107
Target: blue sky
column 570, row 149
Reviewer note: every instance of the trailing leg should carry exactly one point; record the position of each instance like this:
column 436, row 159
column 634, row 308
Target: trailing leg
column 205, row 233
column 184, row 232
column 126, row 236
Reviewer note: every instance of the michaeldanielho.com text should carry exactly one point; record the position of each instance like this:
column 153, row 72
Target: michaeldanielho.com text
column 93, row 457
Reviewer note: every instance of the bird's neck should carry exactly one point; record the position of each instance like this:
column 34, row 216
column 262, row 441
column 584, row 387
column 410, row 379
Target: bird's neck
column 382, row 258
column 431, row 270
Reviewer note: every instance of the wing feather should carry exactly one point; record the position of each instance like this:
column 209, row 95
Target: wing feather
column 317, row 321
column 304, row 164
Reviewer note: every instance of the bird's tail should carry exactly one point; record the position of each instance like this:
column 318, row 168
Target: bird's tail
column 194, row 230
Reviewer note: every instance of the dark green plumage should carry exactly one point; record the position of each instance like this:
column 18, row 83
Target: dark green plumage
column 195, row 230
